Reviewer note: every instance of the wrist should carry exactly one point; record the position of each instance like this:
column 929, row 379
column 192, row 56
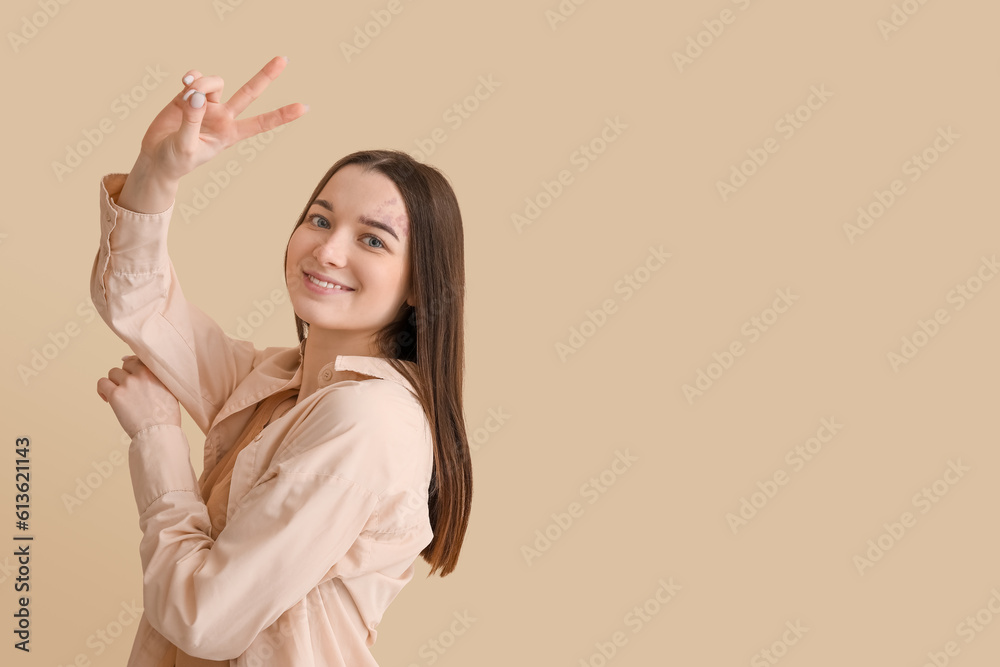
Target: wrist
column 147, row 190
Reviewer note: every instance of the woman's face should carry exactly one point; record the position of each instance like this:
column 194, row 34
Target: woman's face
column 355, row 234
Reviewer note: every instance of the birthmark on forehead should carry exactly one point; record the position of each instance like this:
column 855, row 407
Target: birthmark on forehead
column 393, row 212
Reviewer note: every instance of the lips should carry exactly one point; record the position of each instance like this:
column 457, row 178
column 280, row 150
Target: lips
column 326, row 279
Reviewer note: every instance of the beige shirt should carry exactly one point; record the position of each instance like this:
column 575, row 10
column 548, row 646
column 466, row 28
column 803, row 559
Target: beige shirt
column 327, row 508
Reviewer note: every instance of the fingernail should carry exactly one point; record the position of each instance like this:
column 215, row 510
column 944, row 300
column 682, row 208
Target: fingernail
column 189, row 94
column 188, row 79
column 306, row 106
column 198, row 100
column 286, row 58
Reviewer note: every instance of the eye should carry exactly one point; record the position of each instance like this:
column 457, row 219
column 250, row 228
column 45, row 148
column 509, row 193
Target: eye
column 314, row 216
column 316, row 219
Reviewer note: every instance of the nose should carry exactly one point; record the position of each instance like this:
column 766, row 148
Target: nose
column 332, row 251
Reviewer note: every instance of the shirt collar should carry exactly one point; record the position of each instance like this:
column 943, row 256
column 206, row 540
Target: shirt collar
column 281, row 368
column 379, row 367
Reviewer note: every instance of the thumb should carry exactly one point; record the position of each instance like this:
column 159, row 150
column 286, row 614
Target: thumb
column 193, row 103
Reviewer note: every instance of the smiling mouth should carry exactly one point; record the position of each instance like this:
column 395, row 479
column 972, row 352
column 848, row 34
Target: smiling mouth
column 326, row 285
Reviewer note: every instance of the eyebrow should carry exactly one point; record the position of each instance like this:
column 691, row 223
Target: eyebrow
column 364, row 219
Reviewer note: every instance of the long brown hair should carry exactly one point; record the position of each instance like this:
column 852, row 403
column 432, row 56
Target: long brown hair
column 430, row 334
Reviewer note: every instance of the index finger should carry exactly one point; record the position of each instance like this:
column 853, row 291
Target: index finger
column 252, row 89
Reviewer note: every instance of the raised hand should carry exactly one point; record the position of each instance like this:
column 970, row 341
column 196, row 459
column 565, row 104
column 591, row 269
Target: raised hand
column 196, row 125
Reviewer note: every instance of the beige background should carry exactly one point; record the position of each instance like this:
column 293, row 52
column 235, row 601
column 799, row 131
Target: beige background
column 665, row 517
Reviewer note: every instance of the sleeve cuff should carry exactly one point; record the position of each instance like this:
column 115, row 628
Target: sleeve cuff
column 159, row 461
column 137, row 240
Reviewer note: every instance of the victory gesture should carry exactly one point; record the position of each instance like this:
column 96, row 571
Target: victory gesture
column 196, row 125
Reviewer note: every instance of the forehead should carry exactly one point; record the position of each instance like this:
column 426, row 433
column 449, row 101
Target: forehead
column 354, row 189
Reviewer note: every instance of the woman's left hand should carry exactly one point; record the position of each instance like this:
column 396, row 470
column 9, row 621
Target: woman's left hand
column 138, row 397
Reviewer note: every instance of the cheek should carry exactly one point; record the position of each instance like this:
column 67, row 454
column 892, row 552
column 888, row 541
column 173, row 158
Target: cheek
column 293, row 252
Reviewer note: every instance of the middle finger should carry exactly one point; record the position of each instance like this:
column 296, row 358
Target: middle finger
column 252, row 89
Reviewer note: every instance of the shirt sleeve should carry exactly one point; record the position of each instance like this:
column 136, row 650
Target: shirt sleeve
column 136, row 292
column 212, row 598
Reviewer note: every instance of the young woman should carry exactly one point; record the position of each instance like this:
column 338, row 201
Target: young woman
column 329, row 466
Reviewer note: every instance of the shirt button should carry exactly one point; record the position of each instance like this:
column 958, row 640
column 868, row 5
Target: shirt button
column 326, row 375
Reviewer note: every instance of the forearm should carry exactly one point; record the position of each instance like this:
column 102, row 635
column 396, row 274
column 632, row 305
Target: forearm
column 145, row 190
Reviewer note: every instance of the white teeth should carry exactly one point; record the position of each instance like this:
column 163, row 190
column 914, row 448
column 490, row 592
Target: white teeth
column 323, row 283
